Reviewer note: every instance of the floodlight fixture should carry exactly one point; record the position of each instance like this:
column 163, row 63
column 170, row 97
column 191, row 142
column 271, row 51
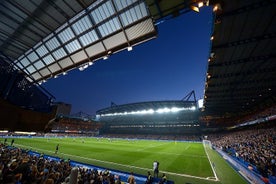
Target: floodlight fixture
column 194, row 8
column 64, row 73
column 81, row 68
column 217, row 7
column 90, row 63
column 200, row 4
column 193, row 108
column 85, row 66
column 129, row 48
column 105, row 57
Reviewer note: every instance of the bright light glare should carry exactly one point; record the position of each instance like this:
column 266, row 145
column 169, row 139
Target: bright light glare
column 200, row 4
column 129, row 48
column 151, row 111
column 200, row 103
column 25, row 133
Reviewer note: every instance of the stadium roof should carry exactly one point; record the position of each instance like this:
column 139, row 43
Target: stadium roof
column 146, row 106
column 241, row 73
column 45, row 38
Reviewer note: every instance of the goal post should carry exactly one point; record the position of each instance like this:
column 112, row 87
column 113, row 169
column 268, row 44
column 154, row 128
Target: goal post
column 207, row 143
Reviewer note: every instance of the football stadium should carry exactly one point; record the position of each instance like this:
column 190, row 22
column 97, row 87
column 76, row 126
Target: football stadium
column 228, row 136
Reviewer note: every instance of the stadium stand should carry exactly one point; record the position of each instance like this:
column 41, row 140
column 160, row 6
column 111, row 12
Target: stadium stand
column 254, row 147
column 74, row 125
column 239, row 100
column 155, row 117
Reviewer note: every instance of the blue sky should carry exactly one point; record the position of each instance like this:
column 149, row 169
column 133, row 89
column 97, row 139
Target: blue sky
column 165, row 68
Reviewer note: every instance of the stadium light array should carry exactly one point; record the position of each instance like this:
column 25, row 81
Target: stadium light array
column 25, row 133
column 152, row 111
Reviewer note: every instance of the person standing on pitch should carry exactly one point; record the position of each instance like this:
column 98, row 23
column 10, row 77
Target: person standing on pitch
column 57, row 148
column 155, row 169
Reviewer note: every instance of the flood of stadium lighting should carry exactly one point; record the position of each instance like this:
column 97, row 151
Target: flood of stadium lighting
column 194, row 8
column 90, row 63
column 129, row 48
column 217, row 7
column 200, row 4
column 64, row 73
column 4, row 131
column 81, row 68
column 105, row 57
column 212, row 38
column 85, row 66
column 163, row 110
column 56, row 76
column 25, row 133
column 151, row 111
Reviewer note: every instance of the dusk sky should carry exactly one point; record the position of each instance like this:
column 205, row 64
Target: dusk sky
column 165, row 68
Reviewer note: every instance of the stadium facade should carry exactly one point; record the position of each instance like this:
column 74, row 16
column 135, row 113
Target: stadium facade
column 176, row 117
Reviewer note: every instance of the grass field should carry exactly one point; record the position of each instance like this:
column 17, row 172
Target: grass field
column 183, row 162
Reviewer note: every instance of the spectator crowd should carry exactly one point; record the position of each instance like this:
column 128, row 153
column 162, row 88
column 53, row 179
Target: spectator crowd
column 19, row 167
column 256, row 147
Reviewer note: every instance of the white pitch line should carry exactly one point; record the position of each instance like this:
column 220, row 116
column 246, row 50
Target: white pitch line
column 213, row 169
column 130, row 166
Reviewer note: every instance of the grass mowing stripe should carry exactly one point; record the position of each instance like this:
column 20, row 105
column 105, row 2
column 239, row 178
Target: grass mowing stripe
column 127, row 166
column 151, row 146
column 184, row 162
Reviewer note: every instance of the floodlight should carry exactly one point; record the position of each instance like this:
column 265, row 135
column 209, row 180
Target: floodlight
column 81, row 68
column 64, row 73
column 194, row 8
column 105, row 57
column 217, row 7
column 200, row 4
column 90, row 63
column 175, row 109
column 85, row 66
column 129, row 48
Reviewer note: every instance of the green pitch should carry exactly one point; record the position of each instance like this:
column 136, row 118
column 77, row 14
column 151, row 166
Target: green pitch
column 183, row 162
